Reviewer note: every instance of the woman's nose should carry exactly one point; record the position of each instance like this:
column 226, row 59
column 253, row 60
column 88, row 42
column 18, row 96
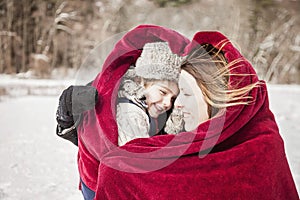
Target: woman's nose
column 177, row 102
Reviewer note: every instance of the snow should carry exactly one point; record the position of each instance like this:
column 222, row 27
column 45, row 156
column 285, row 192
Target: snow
column 284, row 102
column 34, row 161
column 36, row 164
column 16, row 86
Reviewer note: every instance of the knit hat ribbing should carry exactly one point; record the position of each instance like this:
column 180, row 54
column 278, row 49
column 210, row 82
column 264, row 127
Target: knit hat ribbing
column 158, row 62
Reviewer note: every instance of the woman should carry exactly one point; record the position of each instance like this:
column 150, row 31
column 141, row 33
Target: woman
column 204, row 87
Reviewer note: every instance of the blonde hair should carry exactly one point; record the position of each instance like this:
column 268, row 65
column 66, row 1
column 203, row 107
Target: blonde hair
column 211, row 70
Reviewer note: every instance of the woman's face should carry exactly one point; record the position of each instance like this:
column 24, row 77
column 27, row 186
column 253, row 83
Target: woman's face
column 191, row 101
column 160, row 96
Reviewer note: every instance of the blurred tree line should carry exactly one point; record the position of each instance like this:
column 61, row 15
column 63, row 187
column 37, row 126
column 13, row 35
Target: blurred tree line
column 40, row 36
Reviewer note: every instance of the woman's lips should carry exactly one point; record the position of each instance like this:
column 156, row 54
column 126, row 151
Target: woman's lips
column 186, row 115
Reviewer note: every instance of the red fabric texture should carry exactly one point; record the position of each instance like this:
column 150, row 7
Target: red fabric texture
column 236, row 155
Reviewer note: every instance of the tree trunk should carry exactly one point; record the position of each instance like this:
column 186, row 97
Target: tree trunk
column 8, row 54
column 26, row 7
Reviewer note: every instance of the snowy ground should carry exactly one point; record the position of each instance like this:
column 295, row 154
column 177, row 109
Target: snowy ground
column 35, row 164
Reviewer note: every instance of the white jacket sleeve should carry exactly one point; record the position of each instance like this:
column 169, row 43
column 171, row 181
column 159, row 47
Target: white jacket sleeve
column 132, row 122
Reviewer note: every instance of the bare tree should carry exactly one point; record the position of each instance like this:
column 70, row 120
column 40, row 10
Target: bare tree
column 43, row 35
column 274, row 55
column 10, row 12
column 61, row 22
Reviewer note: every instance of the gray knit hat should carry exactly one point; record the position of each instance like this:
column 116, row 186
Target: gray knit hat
column 158, row 62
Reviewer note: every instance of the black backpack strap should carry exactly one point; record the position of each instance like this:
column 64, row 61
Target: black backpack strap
column 124, row 100
column 153, row 126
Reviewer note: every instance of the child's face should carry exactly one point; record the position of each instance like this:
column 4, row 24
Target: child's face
column 191, row 101
column 160, row 96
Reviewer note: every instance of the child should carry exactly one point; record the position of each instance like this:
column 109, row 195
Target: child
column 147, row 92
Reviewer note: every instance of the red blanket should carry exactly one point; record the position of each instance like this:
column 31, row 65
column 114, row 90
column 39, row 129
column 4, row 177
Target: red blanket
column 237, row 155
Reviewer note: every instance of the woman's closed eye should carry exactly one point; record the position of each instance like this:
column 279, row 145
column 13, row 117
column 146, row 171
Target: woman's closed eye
column 184, row 92
column 187, row 94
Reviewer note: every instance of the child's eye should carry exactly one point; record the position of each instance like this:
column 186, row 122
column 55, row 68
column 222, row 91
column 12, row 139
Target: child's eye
column 163, row 92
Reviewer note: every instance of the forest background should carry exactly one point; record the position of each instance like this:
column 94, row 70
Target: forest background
column 49, row 38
